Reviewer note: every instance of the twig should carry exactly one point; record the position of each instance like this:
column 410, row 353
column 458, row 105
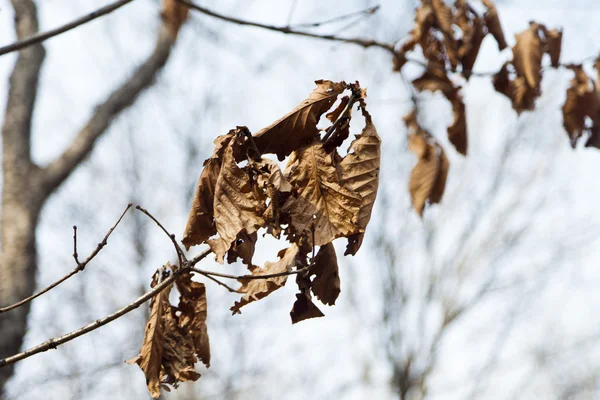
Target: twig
column 249, row 277
column 367, row 12
column 218, row 282
column 289, row 30
column 40, row 37
column 80, row 265
column 55, row 342
column 178, row 250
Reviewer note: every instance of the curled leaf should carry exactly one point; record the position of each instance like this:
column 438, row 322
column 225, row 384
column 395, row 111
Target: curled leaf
column 582, row 102
column 326, row 284
column 322, row 204
column 359, row 171
column 493, row 24
column 299, row 127
column 304, row 308
column 151, row 353
column 457, row 132
column 256, row 289
column 428, row 177
column 200, row 224
column 237, row 205
column 527, row 55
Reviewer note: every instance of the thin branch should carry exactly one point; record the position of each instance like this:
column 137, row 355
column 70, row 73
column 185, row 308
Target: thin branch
column 55, row 342
column 80, row 265
column 250, row 277
column 178, row 250
column 218, row 282
column 288, row 30
column 120, row 99
column 366, row 12
column 343, row 117
column 40, row 37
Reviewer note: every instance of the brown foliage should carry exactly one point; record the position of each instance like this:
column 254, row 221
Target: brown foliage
column 428, row 177
column 176, row 337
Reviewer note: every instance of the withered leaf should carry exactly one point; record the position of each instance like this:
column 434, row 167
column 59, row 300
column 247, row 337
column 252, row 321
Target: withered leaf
column 326, row 284
column 174, row 13
column 151, row 353
column 518, row 91
column 582, row 101
column 553, row 45
column 457, row 132
column 428, row 177
column 443, row 16
column 237, row 205
column 193, row 312
column 299, row 127
column 527, row 55
column 359, row 171
column 333, row 115
column 243, row 247
column 277, row 188
column 435, row 78
column 473, row 35
column 304, row 308
column 492, row 21
column 200, row 224
column 322, row 203
column 179, row 354
column 256, row 289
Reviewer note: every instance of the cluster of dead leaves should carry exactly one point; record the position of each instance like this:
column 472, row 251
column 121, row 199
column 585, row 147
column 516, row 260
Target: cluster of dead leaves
column 318, row 197
column 450, row 37
column 176, row 336
column 520, row 79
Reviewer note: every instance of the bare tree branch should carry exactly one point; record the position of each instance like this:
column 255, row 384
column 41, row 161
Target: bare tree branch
column 80, row 265
column 289, row 30
column 119, row 100
column 40, row 37
column 55, row 342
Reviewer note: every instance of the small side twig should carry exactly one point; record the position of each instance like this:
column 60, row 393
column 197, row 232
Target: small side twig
column 361, row 13
column 344, row 116
column 80, row 265
column 40, row 37
column 248, row 277
column 178, row 250
column 55, row 342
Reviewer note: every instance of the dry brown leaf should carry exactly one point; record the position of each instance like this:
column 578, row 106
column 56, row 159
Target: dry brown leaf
column 424, row 18
column 243, row 247
column 520, row 94
column 178, row 354
column 322, row 202
column 492, row 21
column 326, row 284
column 256, row 289
column 333, row 115
column 471, row 42
column 151, row 353
column 304, row 308
column 457, row 132
column 200, row 224
column 237, row 205
column 582, row 101
column 299, row 127
column 359, row 171
column 553, row 45
column 174, row 13
column 443, row 16
column 435, row 78
column 428, row 177
column 193, row 312
column 527, row 55
column 270, row 179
